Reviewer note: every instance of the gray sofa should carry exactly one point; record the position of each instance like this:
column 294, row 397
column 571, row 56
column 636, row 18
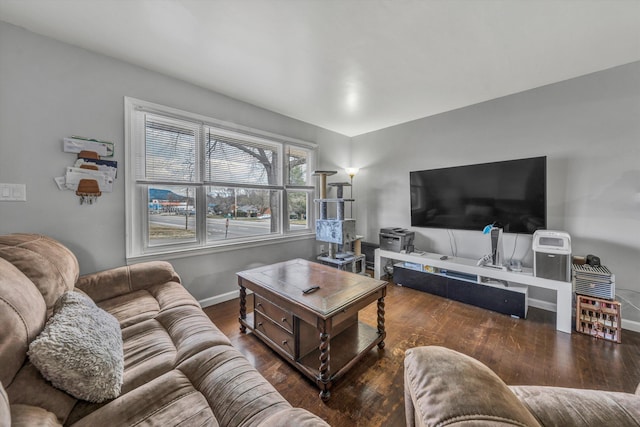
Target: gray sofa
column 176, row 367
column 444, row 387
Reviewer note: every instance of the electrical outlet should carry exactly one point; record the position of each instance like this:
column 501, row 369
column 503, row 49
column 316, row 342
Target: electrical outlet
column 13, row 192
column 322, row 249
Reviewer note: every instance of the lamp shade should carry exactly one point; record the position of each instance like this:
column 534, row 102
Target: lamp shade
column 351, row 171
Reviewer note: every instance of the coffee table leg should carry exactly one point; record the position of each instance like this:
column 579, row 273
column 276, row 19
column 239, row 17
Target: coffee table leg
column 325, row 359
column 243, row 308
column 381, row 322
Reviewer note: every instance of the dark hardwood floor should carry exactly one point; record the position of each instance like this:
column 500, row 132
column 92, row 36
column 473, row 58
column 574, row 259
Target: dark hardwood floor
column 520, row 351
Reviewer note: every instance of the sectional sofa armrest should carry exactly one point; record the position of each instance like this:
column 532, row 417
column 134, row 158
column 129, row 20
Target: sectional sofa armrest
column 444, row 387
column 121, row 280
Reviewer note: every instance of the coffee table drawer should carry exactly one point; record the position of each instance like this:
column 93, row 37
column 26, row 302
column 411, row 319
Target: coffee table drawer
column 281, row 338
column 273, row 312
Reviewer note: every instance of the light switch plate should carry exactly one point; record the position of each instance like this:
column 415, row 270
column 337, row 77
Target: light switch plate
column 13, row 192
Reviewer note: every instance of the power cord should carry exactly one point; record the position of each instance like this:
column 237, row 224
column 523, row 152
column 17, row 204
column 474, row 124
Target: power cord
column 452, row 243
column 625, row 299
column 515, row 245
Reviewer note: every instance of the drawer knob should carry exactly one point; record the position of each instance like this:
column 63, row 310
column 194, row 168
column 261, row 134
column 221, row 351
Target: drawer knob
column 259, row 324
column 284, row 342
column 284, row 319
column 258, row 304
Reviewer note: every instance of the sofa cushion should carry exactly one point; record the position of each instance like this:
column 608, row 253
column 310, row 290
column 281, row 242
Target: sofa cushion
column 161, row 326
column 48, row 264
column 80, row 349
column 236, row 392
column 154, row 347
column 22, row 317
column 132, row 308
column 569, row 407
column 168, row 400
column 30, row 388
column 137, row 306
column 149, row 352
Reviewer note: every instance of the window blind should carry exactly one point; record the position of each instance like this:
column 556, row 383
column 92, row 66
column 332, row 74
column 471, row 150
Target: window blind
column 170, row 150
column 236, row 161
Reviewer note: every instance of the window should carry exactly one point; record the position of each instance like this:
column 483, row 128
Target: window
column 195, row 182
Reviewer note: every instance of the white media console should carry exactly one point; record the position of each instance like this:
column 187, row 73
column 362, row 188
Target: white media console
column 469, row 266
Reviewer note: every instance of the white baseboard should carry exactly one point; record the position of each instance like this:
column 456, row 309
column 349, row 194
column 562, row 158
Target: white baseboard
column 543, row 305
column 631, row 325
column 219, row 298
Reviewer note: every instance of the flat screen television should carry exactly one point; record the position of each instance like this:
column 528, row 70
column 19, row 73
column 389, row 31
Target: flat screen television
column 511, row 193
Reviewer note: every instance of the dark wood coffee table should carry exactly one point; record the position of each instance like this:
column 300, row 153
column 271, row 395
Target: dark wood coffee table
column 317, row 331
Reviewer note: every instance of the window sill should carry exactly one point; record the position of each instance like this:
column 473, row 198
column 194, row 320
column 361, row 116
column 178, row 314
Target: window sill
column 236, row 246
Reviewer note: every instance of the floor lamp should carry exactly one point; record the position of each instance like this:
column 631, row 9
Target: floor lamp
column 351, row 172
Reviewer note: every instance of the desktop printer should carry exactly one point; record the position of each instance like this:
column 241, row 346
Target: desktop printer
column 396, row 239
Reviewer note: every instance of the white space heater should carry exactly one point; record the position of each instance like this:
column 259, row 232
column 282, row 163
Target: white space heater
column 552, row 255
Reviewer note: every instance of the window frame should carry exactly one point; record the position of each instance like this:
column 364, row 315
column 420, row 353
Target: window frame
column 138, row 247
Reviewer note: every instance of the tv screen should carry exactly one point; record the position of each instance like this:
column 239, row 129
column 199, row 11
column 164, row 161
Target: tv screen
column 512, row 193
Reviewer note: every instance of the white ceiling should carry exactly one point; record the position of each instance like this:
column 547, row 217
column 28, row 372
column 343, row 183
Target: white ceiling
column 351, row 66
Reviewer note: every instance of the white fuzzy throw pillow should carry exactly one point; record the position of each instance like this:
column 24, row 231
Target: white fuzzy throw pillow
column 80, row 349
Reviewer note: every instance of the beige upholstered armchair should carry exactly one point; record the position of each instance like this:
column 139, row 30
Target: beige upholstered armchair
column 444, row 387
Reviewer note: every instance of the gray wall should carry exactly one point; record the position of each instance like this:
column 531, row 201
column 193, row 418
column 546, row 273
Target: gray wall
column 589, row 129
column 49, row 90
